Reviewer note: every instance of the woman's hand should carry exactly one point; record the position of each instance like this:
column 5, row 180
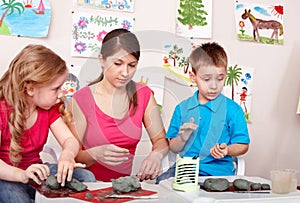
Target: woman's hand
column 219, row 151
column 109, row 154
column 150, row 167
column 36, row 172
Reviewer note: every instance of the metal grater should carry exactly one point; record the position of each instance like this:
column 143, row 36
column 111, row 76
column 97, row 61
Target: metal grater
column 186, row 174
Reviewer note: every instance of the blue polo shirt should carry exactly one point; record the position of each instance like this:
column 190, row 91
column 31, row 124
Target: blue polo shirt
column 220, row 120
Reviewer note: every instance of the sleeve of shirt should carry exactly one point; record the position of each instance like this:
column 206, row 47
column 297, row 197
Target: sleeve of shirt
column 146, row 92
column 3, row 115
column 1, row 123
column 238, row 128
column 54, row 113
column 175, row 123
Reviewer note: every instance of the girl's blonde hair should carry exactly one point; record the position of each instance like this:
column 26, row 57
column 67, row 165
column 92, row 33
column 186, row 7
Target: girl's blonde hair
column 36, row 65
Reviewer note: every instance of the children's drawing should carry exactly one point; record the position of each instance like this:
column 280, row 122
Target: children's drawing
column 177, row 61
column 194, row 18
column 89, row 30
column 243, row 96
column 262, row 24
column 29, row 18
column 238, row 87
column 115, row 5
column 71, row 85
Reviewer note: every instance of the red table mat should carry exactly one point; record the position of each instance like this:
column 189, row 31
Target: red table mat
column 99, row 195
column 47, row 192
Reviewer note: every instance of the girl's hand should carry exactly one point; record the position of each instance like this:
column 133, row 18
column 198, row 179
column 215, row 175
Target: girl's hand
column 36, row 172
column 65, row 167
column 186, row 129
column 219, row 151
column 109, row 154
column 150, row 167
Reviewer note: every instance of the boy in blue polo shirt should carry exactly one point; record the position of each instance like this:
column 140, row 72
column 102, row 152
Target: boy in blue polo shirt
column 208, row 124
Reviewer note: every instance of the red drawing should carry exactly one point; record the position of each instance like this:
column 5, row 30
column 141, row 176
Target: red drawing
column 28, row 4
column 277, row 11
column 243, row 96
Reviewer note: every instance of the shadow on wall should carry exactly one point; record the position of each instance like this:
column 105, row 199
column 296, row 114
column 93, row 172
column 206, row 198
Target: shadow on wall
column 285, row 112
column 90, row 70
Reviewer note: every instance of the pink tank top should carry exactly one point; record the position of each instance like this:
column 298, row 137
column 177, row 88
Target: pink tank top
column 103, row 129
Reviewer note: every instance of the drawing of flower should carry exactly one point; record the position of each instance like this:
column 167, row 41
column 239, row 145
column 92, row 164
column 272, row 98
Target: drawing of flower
column 101, row 35
column 80, row 47
column 126, row 24
column 242, row 25
column 82, row 23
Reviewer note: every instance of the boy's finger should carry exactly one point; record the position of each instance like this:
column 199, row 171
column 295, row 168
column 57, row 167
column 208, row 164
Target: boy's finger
column 222, row 146
column 191, row 120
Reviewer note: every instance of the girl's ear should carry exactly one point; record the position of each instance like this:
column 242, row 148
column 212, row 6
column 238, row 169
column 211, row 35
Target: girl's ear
column 192, row 76
column 29, row 89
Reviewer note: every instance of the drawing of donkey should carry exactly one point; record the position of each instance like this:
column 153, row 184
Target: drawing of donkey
column 263, row 24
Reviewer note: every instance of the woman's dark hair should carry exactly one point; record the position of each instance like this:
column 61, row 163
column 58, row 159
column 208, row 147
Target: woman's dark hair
column 114, row 41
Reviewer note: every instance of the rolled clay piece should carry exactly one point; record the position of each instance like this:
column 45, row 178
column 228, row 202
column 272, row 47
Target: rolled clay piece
column 241, row 184
column 265, row 186
column 74, row 184
column 216, row 184
column 126, row 184
column 255, row 186
column 52, row 183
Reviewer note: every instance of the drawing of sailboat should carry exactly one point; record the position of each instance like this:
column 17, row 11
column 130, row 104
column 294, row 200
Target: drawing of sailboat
column 40, row 9
column 28, row 4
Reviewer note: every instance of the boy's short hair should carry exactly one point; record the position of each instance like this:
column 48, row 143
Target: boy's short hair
column 208, row 54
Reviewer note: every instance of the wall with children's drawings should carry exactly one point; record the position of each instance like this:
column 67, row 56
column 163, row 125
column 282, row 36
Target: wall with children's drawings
column 274, row 127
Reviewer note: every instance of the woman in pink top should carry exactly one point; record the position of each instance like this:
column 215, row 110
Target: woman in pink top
column 110, row 112
column 30, row 92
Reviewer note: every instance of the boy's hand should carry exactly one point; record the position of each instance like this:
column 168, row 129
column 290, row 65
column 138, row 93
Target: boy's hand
column 186, row 129
column 219, row 151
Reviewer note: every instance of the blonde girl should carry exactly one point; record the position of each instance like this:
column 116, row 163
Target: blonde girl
column 30, row 105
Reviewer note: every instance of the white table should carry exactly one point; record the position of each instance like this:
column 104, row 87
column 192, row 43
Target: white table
column 165, row 195
column 232, row 197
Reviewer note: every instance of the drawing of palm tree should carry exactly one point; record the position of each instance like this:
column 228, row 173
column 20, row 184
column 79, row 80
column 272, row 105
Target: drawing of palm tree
column 184, row 64
column 233, row 77
column 173, row 54
column 10, row 7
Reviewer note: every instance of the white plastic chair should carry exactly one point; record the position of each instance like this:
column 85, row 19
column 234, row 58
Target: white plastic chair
column 53, row 151
column 239, row 164
column 143, row 149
